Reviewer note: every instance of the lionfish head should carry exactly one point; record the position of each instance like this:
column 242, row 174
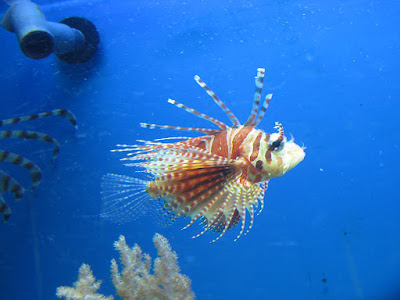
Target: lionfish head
column 280, row 155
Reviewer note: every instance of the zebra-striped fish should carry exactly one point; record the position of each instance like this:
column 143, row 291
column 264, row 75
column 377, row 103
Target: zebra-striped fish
column 219, row 177
column 8, row 183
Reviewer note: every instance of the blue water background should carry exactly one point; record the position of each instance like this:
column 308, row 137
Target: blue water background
column 331, row 226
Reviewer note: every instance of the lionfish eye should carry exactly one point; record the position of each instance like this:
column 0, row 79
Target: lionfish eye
column 277, row 145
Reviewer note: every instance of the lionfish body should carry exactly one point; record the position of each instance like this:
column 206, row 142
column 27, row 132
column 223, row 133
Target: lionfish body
column 219, row 177
column 7, row 182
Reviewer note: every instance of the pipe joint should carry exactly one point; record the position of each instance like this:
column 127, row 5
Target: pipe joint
column 73, row 40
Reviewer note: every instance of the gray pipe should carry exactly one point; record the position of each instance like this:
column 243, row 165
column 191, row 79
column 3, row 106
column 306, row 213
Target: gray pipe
column 38, row 37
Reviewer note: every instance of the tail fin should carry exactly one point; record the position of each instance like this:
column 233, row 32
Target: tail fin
column 124, row 198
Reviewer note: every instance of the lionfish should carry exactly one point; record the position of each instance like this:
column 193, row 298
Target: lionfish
column 8, row 183
column 215, row 177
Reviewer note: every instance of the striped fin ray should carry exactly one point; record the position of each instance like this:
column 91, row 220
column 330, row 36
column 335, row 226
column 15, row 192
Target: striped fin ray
column 8, row 184
column 193, row 183
column 250, row 198
column 263, row 109
column 173, row 138
column 33, row 135
column 227, row 207
column 123, row 198
column 204, row 201
column 168, row 161
column 198, row 114
column 21, row 161
column 65, row 113
column 196, row 195
column 229, row 215
column 151, row 150
column 264, row 187
column 197, row 184
column 206, row 207
column 257, row 195
column 257, row 96
column 218, row 101
column 241, row 208
column 215, row 211
column 148, row 146
column 228, row 220
column 202, row 130
column 250, row 209
column 184, row 191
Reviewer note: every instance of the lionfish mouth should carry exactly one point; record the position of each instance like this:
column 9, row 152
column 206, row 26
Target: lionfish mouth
column 295, row 154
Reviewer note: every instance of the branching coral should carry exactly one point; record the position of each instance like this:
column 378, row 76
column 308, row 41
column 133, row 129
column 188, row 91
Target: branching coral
column 85, row 288
column 135, row 281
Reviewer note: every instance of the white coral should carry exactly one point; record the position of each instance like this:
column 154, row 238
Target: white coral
column 84, row 289
column 136, row 281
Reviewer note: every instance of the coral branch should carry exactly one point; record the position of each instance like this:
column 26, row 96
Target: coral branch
column 135, row 280
column 85, row 288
